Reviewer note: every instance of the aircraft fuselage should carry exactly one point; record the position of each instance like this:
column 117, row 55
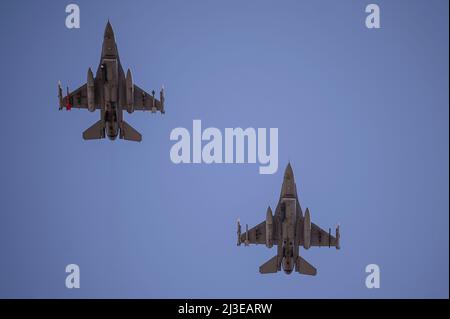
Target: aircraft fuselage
column 288, row 216
column 109, row 79
column 288, row 248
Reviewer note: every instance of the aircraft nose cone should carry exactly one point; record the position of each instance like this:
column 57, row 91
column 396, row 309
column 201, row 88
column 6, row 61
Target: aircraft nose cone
column 109, row 33
column 288, row 173
column 288, row 188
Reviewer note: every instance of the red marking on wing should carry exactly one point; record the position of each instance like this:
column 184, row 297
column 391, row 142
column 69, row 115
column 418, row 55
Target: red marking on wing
column 68, row 104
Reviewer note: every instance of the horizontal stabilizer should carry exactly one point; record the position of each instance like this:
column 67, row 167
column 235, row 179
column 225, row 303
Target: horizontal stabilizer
column 271, row 266
column 95, row 132
column 305, row 268
column 129, row 133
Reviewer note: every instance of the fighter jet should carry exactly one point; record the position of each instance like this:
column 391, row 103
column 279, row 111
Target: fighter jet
column 111, row 92
column 288, row 229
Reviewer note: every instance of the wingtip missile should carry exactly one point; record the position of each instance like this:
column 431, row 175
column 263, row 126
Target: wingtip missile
column 60, row 96
column 238, row 232
column 338, row 237
column 153, row 110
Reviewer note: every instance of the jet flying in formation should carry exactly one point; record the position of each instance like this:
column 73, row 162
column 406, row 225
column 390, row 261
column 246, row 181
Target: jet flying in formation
column 111, row 91
column 288, row 229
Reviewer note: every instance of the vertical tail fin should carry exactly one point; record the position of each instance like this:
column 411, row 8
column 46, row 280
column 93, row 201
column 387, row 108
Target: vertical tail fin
column 305, row 268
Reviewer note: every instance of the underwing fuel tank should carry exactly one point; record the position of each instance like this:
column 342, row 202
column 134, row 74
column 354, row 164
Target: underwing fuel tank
column 129, row 92
column 307, row 230
column 90, row 89
column 239, row 232
column 269, row 228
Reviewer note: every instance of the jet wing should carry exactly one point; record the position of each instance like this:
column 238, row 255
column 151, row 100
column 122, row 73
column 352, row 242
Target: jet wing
column 320, row 237
column 256, row 235
column 144, row 101
column 76, row 99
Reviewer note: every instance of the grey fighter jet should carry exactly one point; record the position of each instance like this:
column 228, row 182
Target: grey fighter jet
column 111, row 91
column 288, row 229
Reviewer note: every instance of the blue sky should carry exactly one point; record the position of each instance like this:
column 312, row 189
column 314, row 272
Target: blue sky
column 362, row 116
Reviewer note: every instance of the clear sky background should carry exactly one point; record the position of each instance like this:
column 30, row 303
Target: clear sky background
column 363, row 116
